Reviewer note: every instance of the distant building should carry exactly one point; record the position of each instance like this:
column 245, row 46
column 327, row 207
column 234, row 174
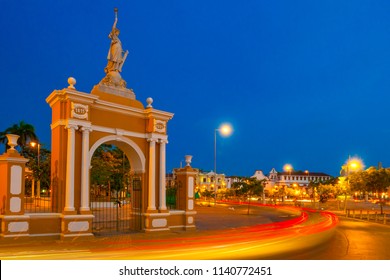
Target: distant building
column 170, row 180
column 211, row 181
column 294, row 179
column 259, row 175
column 204, row 181
column 274, row 180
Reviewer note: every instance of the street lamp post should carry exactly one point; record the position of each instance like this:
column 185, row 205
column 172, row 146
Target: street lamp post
column 225, row 130
column 314, row 188
column 353, row 164
column 33, row 144
column 287, row 168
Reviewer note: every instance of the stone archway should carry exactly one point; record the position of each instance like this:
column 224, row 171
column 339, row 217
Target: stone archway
column 83, row 121
column 129, row 147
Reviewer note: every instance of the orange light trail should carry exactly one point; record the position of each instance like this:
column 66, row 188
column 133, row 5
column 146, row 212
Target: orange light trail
column 309, row 228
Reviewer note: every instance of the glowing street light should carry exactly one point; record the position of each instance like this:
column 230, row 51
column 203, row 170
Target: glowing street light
column 288, row 168
column 352, row 165
column 224, row 130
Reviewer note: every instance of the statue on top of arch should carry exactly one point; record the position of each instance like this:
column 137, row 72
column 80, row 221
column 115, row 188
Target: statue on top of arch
column 116, row 58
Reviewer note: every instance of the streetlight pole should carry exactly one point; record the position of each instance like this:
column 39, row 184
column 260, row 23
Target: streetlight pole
column 215, row 166
column 287, row 168
column 353, row 164
column 345, row 196
column 33, row 144
column 225, row 130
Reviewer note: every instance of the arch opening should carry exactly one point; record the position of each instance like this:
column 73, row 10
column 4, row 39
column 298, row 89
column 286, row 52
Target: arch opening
column 116, row 172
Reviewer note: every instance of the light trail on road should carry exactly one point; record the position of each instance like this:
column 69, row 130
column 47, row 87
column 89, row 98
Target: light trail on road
column 262, row 241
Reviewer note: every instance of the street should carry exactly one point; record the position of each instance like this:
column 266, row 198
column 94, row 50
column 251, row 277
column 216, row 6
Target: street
column 352, row 240
column 226, row 232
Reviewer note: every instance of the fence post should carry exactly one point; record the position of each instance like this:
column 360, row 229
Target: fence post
column 361, row 214
column 368, row 215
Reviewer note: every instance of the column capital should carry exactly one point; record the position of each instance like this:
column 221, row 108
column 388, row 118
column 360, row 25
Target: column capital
column 71, row 126
column 152, row 140
column 86, row 129
column 163, row 141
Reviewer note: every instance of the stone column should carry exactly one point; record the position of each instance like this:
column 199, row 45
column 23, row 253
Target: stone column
column 70, row 160
column 38, row 188
column 14, row 223
column 73, row 224
column 152, row 175
column 33, row 188
column 85, row 170
column 162, row 181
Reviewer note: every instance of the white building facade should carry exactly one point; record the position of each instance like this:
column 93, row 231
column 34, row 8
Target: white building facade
column 211, row 181
column 294, row 179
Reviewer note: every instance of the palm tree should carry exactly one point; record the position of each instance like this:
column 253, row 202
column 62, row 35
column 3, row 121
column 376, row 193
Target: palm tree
column 25, row 131
column 3, row 138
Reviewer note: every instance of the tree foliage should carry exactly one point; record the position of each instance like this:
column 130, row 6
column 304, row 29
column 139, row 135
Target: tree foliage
column 39, row 164
column 249, row 187
column 39, row 158
column 371, row 180
column 110, row 167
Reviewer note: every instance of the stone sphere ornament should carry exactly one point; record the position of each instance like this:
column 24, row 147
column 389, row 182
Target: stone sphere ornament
column 149, row 100
column 71, row 82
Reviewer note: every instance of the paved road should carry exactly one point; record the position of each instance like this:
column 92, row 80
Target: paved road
column 353, row 240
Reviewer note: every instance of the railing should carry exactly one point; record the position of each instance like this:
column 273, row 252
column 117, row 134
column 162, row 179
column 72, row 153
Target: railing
column 369, row 215
column 36, row 204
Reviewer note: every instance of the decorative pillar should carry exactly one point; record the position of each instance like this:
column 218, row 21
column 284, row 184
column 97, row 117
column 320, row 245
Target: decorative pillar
column 185, row 178
column 156, row 221
column 152, row 175
column 162, row 181
column 73, row 224
column 14, row 224
column 85, row 170
column 70, row 160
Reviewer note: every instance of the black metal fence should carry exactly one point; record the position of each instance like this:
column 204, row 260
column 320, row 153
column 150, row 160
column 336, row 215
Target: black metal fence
column 117, row 211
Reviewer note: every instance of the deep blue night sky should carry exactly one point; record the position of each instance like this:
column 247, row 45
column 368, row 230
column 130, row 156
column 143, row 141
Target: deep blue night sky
column 302, row 82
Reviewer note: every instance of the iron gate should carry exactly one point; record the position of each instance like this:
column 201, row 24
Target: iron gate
column 117, row 212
